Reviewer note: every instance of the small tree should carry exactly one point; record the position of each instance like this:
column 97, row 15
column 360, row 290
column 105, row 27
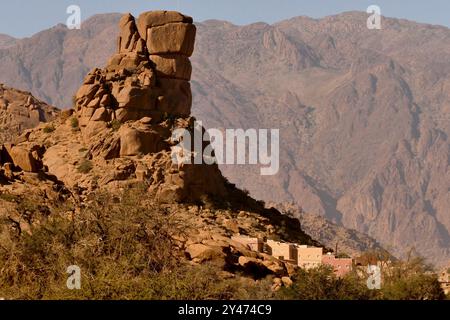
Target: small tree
column 74, row 123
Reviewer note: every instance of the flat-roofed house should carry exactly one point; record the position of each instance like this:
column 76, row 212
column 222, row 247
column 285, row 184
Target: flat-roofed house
column 309, row 257
column 282, row 250
column 341, row 266
column 255, row 244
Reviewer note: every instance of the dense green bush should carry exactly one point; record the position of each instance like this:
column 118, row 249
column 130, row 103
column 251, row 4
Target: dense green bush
column 49, row 128
column 322, row 284
column 74, row 123
column 115, row 125
column 85, row 166
column 411, row 279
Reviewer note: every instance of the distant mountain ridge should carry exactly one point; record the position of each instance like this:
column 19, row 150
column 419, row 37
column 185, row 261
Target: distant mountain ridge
column 363, row 113
column 6, row 41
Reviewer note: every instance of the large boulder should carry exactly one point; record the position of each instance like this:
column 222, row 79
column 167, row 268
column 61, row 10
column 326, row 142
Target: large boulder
column 135, row 97
column 25, row 159
column 158, row 18
column 175, row 97
column 172, row 66
column 134, row 141
column 131, row 107
column 147, row 77
column 202, row 253
column 129, row 39
column 176, row 38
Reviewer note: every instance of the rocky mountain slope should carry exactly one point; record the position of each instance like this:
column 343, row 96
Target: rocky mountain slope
column 19, row 111
column 340, row 239
column 363, row 113
column 363, row 117
column 119, row 137
column 52, row 63
column 6, row 41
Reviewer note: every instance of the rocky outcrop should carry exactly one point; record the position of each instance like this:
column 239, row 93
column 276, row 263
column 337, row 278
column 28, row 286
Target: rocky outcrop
column 147, row 77
column 19, row 111
column 129, row 109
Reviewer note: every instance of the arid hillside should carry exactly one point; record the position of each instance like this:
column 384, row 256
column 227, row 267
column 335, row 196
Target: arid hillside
column 20, row 111
column 99, row 183
column 363, row 113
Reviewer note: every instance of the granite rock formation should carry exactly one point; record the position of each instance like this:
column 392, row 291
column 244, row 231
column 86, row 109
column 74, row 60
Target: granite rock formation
column 145, row 90
column 19, row 111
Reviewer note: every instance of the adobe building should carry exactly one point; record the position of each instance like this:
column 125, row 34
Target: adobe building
column 341, row 266
column 309, row 257
column 255, row 244
column 282, row 251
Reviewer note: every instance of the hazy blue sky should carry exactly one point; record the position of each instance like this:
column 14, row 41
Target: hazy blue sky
column 25, row 17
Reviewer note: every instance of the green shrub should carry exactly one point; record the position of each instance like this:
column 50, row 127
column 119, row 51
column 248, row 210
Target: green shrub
column 115, row 125
column 401, row 280
column 322, row 284
column 85, row 166
column 414, row 287
column 9, row 197
column 49, row 128
column 74, row 123
column 411, row 279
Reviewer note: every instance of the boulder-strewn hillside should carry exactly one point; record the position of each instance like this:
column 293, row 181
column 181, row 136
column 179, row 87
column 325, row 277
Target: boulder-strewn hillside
column 363, row 113
column 117, row 141
column 19, row 111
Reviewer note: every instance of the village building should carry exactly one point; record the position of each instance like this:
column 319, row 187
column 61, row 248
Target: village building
column 341, row 266
column 301, row 255
column 254, row 244
column 309, row 257
column 282, row 250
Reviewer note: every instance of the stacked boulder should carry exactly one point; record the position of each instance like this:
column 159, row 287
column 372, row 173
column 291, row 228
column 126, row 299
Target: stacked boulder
column 170, row 38
column 147, row 77
column 130, row 108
